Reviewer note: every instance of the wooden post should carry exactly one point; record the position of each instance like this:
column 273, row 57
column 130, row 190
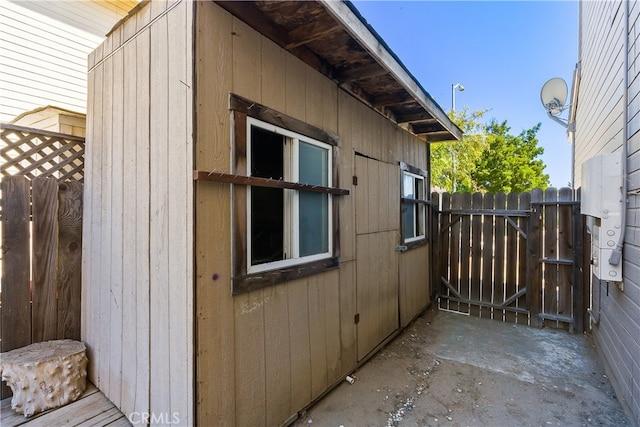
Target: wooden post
column 45, row 259
column 69, row 259
column 534, row 282
column 16, row 306
column 579, row 310
column 476, row 248
column 435, row 248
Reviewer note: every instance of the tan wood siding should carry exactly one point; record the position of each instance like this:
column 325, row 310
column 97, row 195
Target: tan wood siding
column 262, row 356
column 137, row 286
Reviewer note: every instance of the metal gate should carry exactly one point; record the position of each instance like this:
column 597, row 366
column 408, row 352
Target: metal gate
column 512, row 257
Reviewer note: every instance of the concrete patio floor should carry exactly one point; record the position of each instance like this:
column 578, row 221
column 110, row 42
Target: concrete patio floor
column 455, row 370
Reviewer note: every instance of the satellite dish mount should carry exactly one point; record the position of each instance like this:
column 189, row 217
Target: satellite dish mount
column 554, row 96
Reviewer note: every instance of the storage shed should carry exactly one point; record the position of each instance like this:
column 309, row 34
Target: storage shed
column 257, row 182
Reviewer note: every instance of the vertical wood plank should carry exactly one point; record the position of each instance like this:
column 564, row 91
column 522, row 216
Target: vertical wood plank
column 393, row 198
column 142, row 221
column 384, row 215
column 246, row 56
column 346, row 171
column 16, row 307
column 465, row 252
column 277, row 356
column 44, row 307
column 299, row 344
column 373, row 194
column 92, row 220
column 499, row 251
column 116, row 207
column 69, row 275
column 435, row 247
column 476, row 256
column 361, row 196
column 445, row 248
column 103, row 282
column 565, row 251
column 215, row 364
column 250, row 360
column 523, row 223
column 180, row 231
column 512, row 256
column 455, row 250
column 550, row 251
column 332, row 317
column 390, row 289
column 273, row 65
column 129, row 242
column 160, row 361
column 486, row 294
column 534, row 246
column 295, row 90
column 580, row 286
column 86, row 247
column 317, row 335
column 348, row 309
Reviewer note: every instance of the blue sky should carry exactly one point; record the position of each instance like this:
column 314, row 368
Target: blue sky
column 502, row 52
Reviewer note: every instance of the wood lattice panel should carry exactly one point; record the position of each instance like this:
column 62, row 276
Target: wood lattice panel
column 33, row 152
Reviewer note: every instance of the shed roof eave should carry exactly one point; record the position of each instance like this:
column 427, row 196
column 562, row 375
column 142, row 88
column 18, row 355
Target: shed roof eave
column 353, row 22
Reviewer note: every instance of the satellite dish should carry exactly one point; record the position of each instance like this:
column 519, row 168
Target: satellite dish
column 554, row 95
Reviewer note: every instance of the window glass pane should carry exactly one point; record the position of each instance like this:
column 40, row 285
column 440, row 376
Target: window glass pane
column 420, row 214
column 313, row 164
column 408, row 209
column 407, row 186
column 314, row 223
column 314, row 207
column 408, row 220
column 267, row 204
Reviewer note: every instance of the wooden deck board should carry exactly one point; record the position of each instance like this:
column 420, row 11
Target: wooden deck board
column 92, row 409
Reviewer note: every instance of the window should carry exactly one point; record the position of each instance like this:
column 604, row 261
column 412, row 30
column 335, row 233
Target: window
column 284, row 191
column 414, row 202
column 286, row 226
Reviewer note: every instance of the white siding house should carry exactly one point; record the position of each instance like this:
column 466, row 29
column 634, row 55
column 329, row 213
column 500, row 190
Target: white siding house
column 43, row 51
column 606, row 99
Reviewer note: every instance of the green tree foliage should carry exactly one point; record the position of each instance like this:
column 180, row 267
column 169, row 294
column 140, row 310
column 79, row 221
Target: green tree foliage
column 452, row 163
column 488, row 158
column 510, row 163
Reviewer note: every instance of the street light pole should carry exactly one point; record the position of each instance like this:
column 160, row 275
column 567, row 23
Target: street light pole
column 453, row 94
column 453, row 156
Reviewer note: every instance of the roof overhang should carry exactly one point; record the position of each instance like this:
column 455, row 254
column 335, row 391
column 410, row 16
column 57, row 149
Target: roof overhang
column 333, row 38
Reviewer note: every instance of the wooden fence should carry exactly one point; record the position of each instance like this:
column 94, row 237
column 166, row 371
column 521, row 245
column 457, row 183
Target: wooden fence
column 512, row 257
column 41, row 261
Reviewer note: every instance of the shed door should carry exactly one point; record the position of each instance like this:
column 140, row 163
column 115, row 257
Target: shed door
column 377, row 235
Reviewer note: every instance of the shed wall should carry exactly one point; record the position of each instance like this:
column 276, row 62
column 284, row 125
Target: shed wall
column 264, row 355
column 137, row 289
column 600, row 124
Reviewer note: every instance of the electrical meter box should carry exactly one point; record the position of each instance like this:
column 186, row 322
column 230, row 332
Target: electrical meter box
column 602, row 199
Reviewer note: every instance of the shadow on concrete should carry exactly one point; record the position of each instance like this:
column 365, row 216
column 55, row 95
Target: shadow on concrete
column 455, row 370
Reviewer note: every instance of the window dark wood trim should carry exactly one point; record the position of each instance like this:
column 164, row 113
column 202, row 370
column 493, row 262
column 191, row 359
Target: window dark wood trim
column 252, row 282
column 266, row 114
column 427, row 202
column 414, row 170
column 241, row 281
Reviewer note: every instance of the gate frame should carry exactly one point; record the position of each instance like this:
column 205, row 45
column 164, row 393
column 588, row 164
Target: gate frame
column 533, row 282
